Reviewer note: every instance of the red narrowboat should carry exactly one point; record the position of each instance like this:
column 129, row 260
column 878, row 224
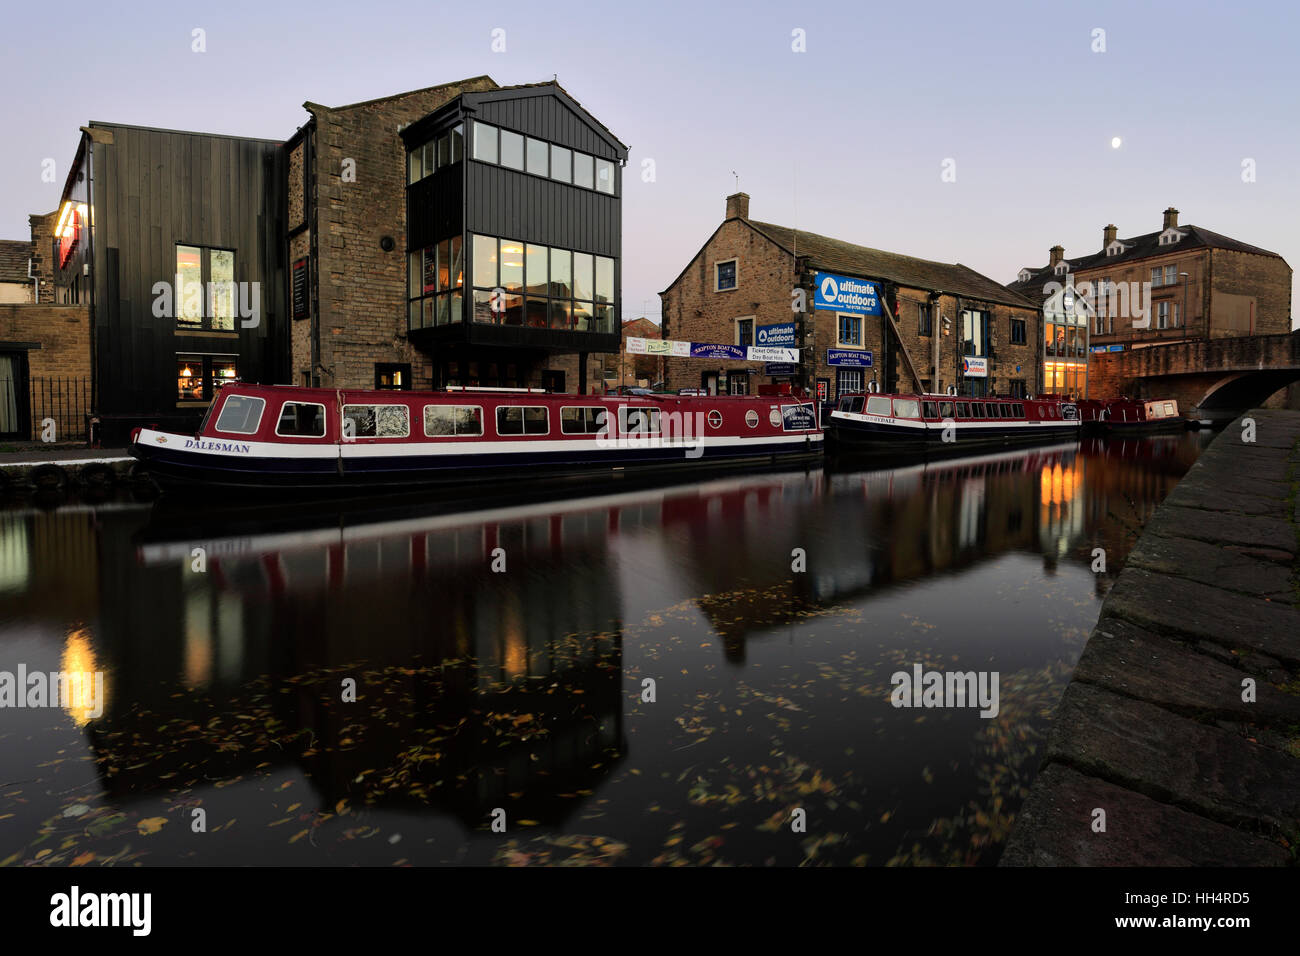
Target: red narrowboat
column 1130, row 416
column 877, row 423
column 285, row 436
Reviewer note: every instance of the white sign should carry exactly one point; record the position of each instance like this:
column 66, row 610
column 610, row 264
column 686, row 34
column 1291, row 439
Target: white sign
column 972, row 367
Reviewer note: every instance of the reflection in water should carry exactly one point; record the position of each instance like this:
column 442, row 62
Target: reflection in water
column 86, row 696
column 520, row 688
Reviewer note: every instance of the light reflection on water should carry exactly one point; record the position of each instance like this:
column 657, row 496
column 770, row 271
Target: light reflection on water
column 229, row 636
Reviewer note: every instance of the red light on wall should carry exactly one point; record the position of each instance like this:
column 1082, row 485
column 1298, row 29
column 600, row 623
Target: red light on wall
column 69, row 230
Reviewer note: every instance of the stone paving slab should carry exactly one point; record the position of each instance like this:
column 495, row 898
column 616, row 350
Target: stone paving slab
column 1054, row 828
column 1220, row 527
column 1175, row 605
column 1134, row 662
column 1142, row 747
column 1233, row 568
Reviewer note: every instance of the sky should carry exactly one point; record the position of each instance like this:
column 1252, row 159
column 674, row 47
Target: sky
column 1018, row 103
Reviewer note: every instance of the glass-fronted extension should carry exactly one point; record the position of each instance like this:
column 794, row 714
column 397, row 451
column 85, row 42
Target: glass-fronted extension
column 514, row 236
column 1066, row 324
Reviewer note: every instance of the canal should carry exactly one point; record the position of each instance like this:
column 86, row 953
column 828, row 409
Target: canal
column 617, row 675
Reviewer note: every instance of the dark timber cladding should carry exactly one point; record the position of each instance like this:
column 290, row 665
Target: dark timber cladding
column 491, row 199
column 154, row 190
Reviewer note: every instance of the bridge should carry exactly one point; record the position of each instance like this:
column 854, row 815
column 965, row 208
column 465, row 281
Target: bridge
column 1211, row 378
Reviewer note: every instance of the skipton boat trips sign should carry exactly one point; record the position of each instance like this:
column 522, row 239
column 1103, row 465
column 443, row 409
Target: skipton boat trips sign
column 836, row 293
column 749, row 353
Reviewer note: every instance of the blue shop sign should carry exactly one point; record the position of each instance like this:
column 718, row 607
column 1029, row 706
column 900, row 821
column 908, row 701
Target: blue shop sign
column 848, row 358
column 836, row 293
column 781, row 335
column 699, row 350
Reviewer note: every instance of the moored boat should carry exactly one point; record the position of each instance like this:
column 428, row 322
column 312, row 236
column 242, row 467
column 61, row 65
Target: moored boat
column 289, row 437
column 1130, row 416
column 900, row 424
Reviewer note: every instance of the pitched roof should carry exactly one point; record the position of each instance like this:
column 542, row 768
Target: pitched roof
column 1138, row 247
column 14, row 254
column 839, row 256
column 397, row 96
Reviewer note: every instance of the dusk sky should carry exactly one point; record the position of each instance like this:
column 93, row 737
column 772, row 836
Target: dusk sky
column 848, row 139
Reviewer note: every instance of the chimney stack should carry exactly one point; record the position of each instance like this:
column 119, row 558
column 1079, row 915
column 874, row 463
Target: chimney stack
column 1171, row 218
column 1055, row 255
column 1108, row 235
column 738, row 206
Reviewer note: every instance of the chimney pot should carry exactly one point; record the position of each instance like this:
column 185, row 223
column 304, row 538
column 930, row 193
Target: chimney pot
column 1055, row 255
column 1108, row 235
column 1171, row 218
column 738, row 206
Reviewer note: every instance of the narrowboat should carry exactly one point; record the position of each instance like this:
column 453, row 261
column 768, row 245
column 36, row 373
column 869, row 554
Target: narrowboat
column 889, row 424
column 291, row 437
column 1130, row 416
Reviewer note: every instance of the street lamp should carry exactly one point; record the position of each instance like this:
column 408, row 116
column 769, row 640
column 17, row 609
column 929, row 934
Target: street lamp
column 1184, row 275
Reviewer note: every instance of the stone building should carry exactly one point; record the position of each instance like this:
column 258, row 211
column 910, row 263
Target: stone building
column 951, row 327
column 1177, row 283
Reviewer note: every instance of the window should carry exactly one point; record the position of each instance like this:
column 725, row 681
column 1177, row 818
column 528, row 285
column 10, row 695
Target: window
column 582, row 420
column 523, row 420
column 200, row 377
column 376, row 421
column 850, row 330
column 1156, row 275
column 562, row 164
column 240, row 415
column 931, row 409
column 512, row 150
column 1018, row 388
column 724, row 276
column 963, row 409
column 924, row 320
column 738, row 384
column 584, row 170
column 1018, row 332
column 605, row 176
column 977, row 410
column 1174, row 320
column 392, row 376
column 550, row 279
column 435, row 284
column 945, row 409
column 907, row 408
column 452, row 420
column 1162, row 315
column 974, row 332
column 745, row 331
column 485, row 142
column 1018, row 409
column 878, row 405
column 638, row 421
column 537, row 157
column 204, row 289
column 848, row 380
column 1171, row 275
column 1005, row 409
column 301, row 420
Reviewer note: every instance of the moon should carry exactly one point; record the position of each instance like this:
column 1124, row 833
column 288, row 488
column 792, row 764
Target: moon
column 1115, row 142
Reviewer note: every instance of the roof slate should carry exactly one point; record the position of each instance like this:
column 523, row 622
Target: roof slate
column 14, row 254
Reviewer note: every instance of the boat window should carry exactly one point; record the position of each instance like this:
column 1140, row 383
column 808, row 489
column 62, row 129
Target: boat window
column 931, row 409
column 638, row 421
column 302, row 419
column 976, row 409
column 844, row 405
column 442, row 420
column 963, row 410
column 1019, row 409
column 945, row 409
column 907, row 408
column 878, row 405
column 582, row 420
column 522, row 420
column 376, row 421
column 1171, row 408
column 855, row 404
column 240, row 415
column 1005, row 409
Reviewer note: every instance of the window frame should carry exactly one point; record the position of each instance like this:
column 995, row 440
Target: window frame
column 734, row 262
column 206, row 299
column 216, row 425
column 323, row 413
column 523, row 421
column 656, row 419
column 839, row 330
column 343, row 415
column 738, row 322
column 424, row 420
column 584, row 408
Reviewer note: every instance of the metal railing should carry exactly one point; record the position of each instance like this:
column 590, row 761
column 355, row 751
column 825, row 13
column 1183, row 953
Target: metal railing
column 66, row 401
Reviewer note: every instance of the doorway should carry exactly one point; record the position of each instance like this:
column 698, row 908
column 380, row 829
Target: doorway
column 15, row 415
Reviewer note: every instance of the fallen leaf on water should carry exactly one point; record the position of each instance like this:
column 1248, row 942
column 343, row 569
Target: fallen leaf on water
column 151, row 825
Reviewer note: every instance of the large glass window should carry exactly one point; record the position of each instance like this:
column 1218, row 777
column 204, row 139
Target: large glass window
column 376, row 421
column 582, row 420
column 562, row 164
column 435, row 281
column 205, row 289
column 541, row 285
column 200, row 377
column 974, row 332
column 605, row 176
column 522, row 420
column 537, row 156
column 584, row 170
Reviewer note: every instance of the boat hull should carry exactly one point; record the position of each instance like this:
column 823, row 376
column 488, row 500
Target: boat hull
column 245, row 467
column 858, row 435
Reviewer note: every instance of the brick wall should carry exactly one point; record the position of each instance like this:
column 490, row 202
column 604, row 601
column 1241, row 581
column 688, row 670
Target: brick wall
column 362, row 288
column 42, row 227
column 63, row 332
column 606, row 370
column 1264, row 278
